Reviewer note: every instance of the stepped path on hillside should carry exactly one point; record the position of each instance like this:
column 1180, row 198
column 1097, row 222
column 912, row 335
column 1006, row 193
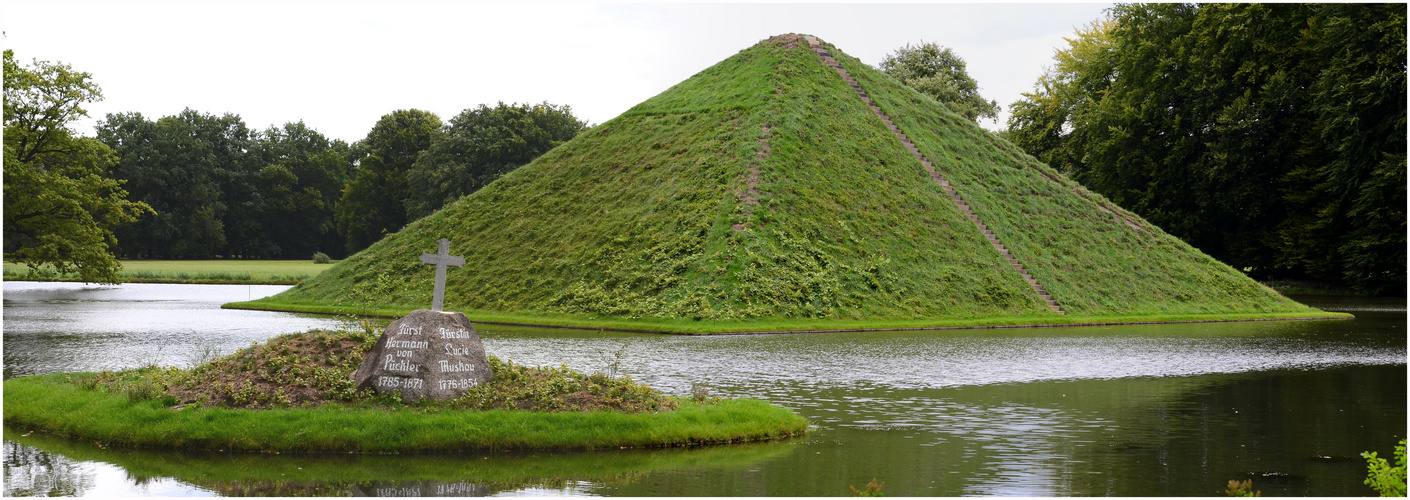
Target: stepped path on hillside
column 761, row 195
column 935, row 175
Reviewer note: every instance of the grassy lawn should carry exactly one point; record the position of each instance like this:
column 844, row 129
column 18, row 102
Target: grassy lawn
column 56, row 405
column 269, row 272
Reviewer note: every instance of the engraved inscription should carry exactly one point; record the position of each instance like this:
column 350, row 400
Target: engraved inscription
column 425, row 354
column 458, row 366
column 407, row 344
column 454, row 334
column 398, row 382
column 399, row 365
column 463, row 383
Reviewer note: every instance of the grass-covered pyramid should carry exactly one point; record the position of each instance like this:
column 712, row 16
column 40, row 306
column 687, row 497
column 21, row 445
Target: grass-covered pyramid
column 763, row 194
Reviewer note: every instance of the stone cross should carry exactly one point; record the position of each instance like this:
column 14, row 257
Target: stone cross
column 441, row 259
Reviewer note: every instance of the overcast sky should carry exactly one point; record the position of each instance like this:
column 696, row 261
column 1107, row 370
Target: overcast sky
column 341, row 66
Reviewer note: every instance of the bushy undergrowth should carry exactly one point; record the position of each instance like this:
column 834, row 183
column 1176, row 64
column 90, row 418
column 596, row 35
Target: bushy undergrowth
column 518, row 387
column 314, row 368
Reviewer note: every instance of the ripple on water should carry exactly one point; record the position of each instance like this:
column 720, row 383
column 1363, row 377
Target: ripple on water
column 1024, row 406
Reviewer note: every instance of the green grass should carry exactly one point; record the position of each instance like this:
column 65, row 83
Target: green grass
column 783, row 325
column 644, row 221
column 56, row 404
column 258, row 272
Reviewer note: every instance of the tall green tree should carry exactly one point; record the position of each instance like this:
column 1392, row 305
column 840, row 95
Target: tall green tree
column 1043, row 121
column 199, row 171
column 374, row 203
column 1220, row 123
column 481, row 144
column 938, row 72
column 301, row 181
column 1359, row 106
column 60, row 205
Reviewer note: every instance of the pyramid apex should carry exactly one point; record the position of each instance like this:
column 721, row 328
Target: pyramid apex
column 787, row 40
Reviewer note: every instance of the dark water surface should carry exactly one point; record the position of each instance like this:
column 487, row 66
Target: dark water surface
column 1129, row 411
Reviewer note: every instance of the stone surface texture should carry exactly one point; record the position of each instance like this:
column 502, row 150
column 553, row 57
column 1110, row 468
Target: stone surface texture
column 430, row 354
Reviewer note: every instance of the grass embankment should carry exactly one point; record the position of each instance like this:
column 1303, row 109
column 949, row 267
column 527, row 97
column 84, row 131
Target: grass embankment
column 237, row 272
column 294, row 394
column 787, row 325
column 762, row 195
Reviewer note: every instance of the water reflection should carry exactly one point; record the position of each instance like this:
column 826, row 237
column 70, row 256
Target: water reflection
column 1288, row 431
column 477, row 474
column 758, row 365
column 1136, row 410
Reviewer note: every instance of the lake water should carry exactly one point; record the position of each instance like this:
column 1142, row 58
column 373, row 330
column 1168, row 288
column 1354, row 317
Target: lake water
column 1143, row 410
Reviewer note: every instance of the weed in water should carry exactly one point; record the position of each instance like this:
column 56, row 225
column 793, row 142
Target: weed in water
column 204, row 350
column 1386, row 480
column 873, row 490
column 1241, row 489
column 613, row 360
column 701, row 393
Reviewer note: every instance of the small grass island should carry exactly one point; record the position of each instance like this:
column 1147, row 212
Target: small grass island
column 294, row 394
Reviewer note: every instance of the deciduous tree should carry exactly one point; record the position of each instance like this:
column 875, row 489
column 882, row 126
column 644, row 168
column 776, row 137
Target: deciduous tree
column 60, row 206
column 301, row 182
column 1269, row 136
column 199, row 173
column 374, row 203
column 481, row 144
column 938, row 72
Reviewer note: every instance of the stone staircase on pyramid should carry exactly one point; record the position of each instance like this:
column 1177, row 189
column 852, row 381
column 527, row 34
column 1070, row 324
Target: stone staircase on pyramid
column 930, row 168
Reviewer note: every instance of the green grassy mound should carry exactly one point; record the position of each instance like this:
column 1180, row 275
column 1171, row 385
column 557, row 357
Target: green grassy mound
column 761, row 195
column 295, row 394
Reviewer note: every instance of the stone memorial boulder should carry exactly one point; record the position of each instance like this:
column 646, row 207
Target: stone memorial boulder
column 431, row 354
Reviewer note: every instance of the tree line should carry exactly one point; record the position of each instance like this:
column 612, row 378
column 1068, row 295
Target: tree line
column 1270, row 136
column 198, row 185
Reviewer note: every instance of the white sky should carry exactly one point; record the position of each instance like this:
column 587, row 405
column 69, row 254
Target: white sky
column 341, row 66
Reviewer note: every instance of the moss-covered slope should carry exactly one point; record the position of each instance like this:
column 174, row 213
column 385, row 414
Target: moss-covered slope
column 762, row 194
